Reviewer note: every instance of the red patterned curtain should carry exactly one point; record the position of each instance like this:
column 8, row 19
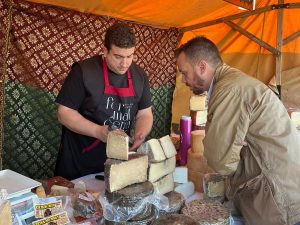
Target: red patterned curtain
column 39, row 44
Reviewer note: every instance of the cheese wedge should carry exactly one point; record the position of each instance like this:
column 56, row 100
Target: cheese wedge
column 197, row 102
column 117, row 146
column 119, row 174
column 165, row 184
column 168, row 146
column 158, row 170
column 153, row 149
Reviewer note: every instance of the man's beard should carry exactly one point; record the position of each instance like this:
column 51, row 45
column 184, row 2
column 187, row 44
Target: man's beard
column 197, row 91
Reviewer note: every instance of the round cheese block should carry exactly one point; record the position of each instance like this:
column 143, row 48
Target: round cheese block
column 145, row 221
column 126, row 199
column 131, row 194
column 174, row 219
column 207, row 212
column 176, row 201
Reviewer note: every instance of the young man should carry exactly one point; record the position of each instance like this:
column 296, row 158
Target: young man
column 249, row 136
column 101, row 92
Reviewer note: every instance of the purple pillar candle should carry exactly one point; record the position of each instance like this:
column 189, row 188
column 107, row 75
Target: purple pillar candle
column 185, row 138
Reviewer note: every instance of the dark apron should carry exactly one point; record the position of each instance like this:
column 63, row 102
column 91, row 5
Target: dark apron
column 81, row 155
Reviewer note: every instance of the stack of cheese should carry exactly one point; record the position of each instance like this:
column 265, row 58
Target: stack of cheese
column 196, row 162
column 162, row 162
column 126, row 179
column 198, row 111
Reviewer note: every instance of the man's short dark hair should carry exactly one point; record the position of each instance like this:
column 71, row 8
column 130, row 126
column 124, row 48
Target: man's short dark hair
column 120, row 35
column 200, row 48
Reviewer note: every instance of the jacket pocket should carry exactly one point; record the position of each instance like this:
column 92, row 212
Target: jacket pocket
column 257, row 203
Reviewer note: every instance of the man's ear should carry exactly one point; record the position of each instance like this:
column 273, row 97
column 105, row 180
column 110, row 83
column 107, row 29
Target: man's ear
column 105, row 51
column 202, row 65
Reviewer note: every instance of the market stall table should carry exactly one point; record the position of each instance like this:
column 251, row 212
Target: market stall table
column 97, row 187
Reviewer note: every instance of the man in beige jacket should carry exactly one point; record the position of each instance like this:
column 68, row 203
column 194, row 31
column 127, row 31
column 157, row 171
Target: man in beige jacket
column 249, row 136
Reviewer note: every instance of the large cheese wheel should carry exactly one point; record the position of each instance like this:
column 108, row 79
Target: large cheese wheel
column 197, row 137
column 119, row 174
column 126, row 200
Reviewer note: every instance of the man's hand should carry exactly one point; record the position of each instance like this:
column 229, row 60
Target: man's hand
column 102, row 133
column 137, row 141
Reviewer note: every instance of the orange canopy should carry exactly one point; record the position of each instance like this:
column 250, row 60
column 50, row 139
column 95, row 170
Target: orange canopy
column 231, row 34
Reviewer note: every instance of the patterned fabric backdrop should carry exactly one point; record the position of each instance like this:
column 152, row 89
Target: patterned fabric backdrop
column 43, row 43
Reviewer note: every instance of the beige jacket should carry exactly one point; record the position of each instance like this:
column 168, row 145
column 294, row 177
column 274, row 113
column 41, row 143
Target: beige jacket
column 264, row 177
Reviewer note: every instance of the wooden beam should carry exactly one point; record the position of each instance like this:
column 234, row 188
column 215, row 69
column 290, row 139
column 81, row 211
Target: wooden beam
column 291, row 38
column 252, row 37
column 240, row 15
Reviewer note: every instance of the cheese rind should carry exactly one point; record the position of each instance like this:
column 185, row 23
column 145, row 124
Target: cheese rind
column 153, row 149
column 165, row 184
column 120, row 174
column 117, row 146
column 158, row 170
column 168, row 146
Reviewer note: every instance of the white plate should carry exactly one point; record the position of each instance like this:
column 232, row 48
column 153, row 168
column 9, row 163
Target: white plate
column 15, row 183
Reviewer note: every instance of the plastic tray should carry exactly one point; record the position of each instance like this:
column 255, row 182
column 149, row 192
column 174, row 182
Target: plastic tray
column 15, row 183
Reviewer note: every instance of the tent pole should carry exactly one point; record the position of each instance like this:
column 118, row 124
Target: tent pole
column 3, row 75
column 291, row 38
column 252, row 37
column 279, row 47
